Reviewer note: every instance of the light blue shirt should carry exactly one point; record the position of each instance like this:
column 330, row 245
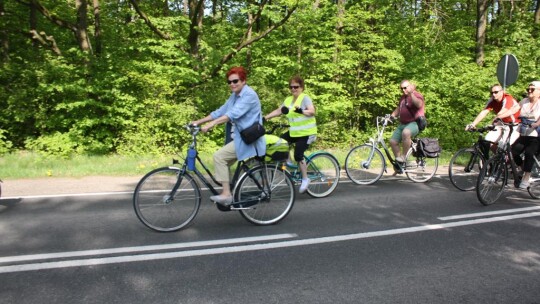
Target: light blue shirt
column 243, row 111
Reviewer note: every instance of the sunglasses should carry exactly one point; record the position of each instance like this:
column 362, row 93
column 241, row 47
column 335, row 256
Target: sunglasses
column 294, row 87
column 404, row 88
column 495, row 92
column 530, row 90
column 235, row 81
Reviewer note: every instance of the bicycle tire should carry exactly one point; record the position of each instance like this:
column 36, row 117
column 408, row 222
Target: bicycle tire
column 464, row 168
column 323, row 171
column 420, row 169
column 491, row 180
column 270, row 209
column 359, row 169
column 534, row 180
column 534, row 189
column 155, row 207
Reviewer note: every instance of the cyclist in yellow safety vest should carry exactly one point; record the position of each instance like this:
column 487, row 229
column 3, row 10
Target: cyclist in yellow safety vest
column 300, row 112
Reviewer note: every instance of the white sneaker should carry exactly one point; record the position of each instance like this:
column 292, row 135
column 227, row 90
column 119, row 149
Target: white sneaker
column 524, row 185
column 304, row 185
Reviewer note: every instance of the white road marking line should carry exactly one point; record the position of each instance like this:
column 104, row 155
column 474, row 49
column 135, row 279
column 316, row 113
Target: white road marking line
column 254, row 247
column 71, row 254
column 67, row 195
column 489, row 213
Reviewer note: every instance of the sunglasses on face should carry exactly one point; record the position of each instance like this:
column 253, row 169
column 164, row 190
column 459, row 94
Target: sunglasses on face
column 235, row 81
column 404, row 88
column 495, row 92
column 530, row 90
column 294, row 87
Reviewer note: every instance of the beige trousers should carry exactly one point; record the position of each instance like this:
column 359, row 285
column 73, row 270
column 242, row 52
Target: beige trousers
column 223, row 159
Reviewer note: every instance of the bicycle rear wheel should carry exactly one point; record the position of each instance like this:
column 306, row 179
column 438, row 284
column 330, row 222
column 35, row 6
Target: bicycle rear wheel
column 362, row 169
column 323, row 172
column 534, row 180
column 159, row 206
column 263, row 207
column 464, row 168
column 491, row 180
column 420, row 169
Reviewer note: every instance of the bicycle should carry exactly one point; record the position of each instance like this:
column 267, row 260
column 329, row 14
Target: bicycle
column 168, row 198
column 493, row 177
column 466, row 163
column 365, row 164
column 323, row 169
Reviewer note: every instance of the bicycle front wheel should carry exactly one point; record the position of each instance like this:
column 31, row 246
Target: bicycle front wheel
column 323, row 173
column 534, row 188
column 265, row 204
column 420, row 169
column 491, row 180
column 163, row 205
column 364, row 164
column 464, row 168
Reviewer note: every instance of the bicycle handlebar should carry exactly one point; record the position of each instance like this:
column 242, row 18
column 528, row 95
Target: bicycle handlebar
column 276, row 126
column 482, row 130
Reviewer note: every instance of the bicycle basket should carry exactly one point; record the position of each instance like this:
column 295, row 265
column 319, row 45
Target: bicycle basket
column 276, row 148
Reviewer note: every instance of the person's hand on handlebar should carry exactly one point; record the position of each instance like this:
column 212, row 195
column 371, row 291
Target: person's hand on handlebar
column 470, row 127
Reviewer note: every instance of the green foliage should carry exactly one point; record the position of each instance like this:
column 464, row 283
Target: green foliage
column 5, row 144
column 135, row 95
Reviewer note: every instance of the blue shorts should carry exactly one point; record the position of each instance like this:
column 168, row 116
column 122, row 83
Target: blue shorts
column 412, row 126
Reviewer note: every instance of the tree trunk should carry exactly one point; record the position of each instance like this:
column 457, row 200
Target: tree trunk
column 196, row 13
column 97, row 25
column 248, row 37
column 536, row 24
column 82, row 25
column 4, row 42
column 339, row 29
column 33, row 20
column 481, row 24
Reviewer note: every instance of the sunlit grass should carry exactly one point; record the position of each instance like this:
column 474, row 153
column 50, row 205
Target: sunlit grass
column 34, row 165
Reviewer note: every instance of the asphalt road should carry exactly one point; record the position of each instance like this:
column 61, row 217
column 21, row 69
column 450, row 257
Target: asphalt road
column 392, row 242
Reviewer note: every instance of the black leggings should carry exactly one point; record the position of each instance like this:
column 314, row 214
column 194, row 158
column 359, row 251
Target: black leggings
column 529, row 145
column 300, row 143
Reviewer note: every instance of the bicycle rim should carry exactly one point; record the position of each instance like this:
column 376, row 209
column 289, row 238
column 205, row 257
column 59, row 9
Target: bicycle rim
column 420, row 169
column 491, row 181
column 464, row 168
column 270, row 208
column 323, row 173
column 534, row 188
column 161, row 210
column 360, row 168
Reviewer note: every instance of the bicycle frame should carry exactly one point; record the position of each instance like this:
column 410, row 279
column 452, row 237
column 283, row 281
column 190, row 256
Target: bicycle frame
column 382, row 123
column 240, row 168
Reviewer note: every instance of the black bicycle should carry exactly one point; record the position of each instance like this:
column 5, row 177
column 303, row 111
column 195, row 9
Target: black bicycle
column 168, row 199
column 494, row 175
column 466, row 163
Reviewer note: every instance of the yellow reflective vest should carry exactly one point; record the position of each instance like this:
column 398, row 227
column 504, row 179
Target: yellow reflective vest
column 300, row 124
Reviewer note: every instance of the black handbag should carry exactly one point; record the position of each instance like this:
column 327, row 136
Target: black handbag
column 421, row 121
column 251, row 134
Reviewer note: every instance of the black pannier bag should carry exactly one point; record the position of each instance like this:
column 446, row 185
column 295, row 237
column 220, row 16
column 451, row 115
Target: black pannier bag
column 428, row 147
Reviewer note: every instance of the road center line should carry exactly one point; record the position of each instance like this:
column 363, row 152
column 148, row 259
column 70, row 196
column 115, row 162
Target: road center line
column 253, row 247
column 489, row 213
